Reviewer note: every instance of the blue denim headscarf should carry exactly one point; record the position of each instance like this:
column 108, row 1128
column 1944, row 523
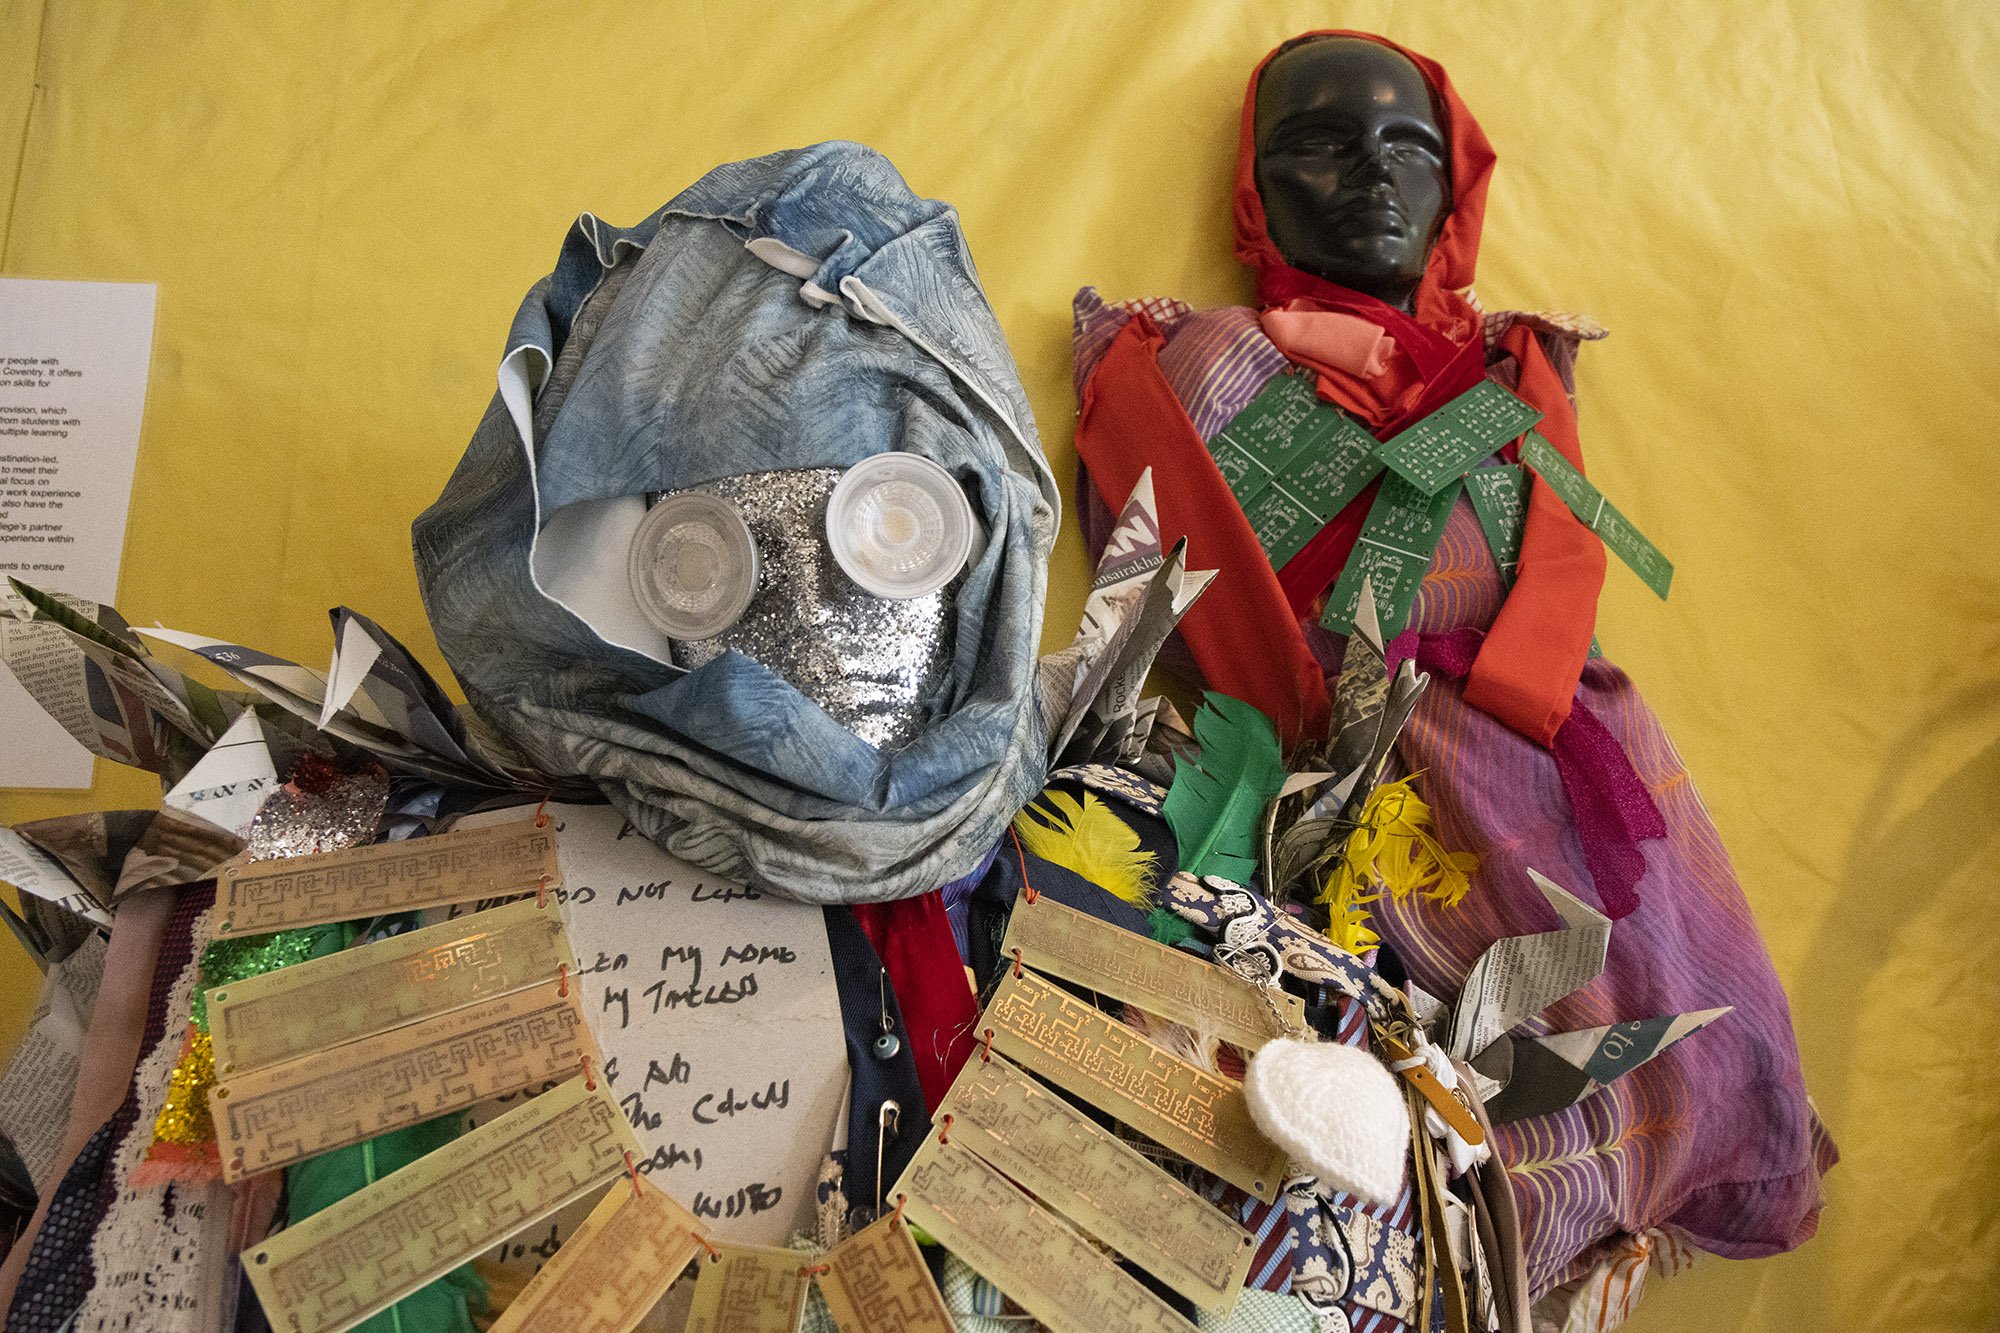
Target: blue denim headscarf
column 799, row 310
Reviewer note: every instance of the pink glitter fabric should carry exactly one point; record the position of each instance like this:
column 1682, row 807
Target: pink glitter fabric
column 320, row 810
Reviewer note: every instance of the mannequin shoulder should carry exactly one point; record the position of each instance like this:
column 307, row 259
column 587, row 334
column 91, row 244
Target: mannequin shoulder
column 1562, row 335
column 1096, row 320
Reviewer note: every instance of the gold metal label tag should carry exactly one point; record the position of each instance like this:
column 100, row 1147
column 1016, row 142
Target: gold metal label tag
column 1162, row 980
column 501, row 861
column 1025, row 1250
column 375, row 1247
column 1056, row 1153
column 877, row 1282
column 613, row 1270
column 357, row 993
column 749, row 1289
column 280, row 1114
column 1201, row 1116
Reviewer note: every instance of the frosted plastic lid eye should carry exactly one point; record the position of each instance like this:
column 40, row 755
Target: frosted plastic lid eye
column 693, row 565
column 899, row 525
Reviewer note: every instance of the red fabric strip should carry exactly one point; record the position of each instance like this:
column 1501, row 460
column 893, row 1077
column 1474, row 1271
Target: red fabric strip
column 912, row 937
column 1527, row 670
column 1243, row 632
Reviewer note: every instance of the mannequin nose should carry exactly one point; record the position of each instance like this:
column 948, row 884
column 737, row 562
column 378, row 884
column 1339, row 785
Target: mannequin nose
column 1370, row 162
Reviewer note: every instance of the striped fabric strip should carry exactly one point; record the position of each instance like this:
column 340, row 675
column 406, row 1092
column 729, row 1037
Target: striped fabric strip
column 1216, row 362
column 1097, row 321
column 1607, row 1296
column 1270, row 1263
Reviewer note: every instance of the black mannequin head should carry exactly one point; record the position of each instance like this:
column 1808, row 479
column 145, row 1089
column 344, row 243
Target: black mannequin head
column 1352, row 165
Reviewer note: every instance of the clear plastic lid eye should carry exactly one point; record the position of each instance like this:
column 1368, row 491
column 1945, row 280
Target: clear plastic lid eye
column 693, row 565
column 899, row 525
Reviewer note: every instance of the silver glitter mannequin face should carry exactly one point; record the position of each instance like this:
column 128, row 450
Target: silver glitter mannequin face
column 873, row 663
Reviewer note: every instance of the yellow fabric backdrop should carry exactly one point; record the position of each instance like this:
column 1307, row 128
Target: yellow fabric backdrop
column 1787, row 213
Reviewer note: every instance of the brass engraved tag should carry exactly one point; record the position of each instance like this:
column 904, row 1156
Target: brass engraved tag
column 1057, row 1154
column 356, row 993
column 1158, row 978
column 274, row 1116
column 608, row 1275
column 1199, row 1115
column 1025, row 1250
column 877, row 1282
column 496, row 862
column 373, row 1248
column 749, row 1289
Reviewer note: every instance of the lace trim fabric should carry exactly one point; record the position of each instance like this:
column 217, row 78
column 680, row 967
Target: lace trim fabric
column 160, row 1251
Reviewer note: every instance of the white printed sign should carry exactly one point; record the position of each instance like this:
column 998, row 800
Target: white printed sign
column 73, row 362
column 716, row 1010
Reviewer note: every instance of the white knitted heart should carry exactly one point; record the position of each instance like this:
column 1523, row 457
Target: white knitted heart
column 1335, row 1109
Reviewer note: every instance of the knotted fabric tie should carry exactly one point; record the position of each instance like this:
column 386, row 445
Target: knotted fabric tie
column 1329, row 337
column 1614, row 811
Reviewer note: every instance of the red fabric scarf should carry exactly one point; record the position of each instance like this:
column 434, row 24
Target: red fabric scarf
column 912, row 937
column 1246, row 636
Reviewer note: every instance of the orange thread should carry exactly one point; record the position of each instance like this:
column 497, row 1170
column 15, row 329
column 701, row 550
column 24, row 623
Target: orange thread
column 589, row 1082
column 562, row 980
column 815, row 1270
column 632, row 1170
column 1017, row 964
column 897, row 1220
column 714, row 1255
column 542, row 811
column 1027, row 889
column 947, row 1128
column 542, row 893
column 986, row 1047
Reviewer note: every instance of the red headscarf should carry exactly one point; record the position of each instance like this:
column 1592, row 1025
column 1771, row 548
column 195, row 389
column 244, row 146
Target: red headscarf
column 1440, row 310
column 1247, row 638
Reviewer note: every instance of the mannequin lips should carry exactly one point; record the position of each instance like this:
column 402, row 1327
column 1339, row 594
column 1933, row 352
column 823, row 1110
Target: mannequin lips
column 1376, row 211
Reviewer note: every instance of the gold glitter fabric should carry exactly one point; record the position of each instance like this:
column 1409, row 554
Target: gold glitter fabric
column 184, row 1119
column 321, row 809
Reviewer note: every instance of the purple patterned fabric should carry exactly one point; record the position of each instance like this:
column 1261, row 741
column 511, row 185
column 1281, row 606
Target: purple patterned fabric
column 1612, row 808
column 1715, row 1136
column 957, row 896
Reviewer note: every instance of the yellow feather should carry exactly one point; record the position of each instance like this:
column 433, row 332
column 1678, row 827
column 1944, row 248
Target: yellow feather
column 1396, row 851
column 1087, row 838
column 1348, row 923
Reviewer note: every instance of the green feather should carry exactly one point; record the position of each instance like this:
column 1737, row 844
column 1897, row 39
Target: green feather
column 1166, row 927
column 323, row 1181
column 1215, row 809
